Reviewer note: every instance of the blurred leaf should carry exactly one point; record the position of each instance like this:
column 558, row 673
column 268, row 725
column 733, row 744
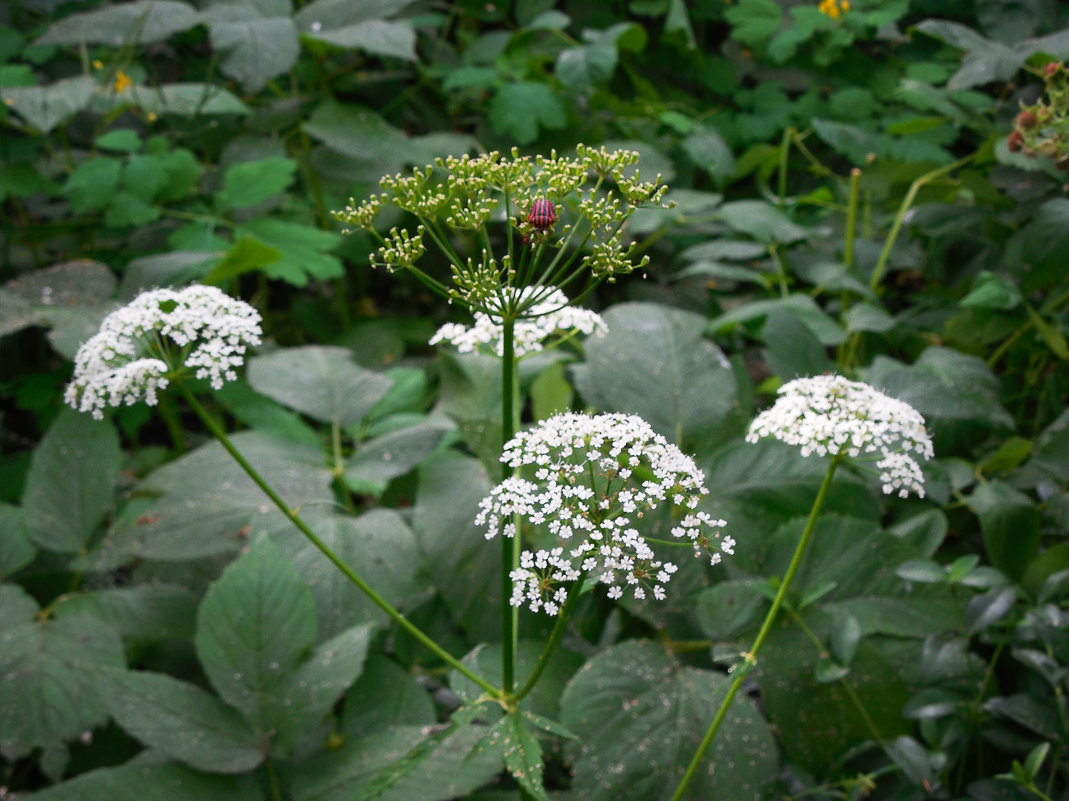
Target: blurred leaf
column 117, row 25
column 394, row 454
column 655, row 363
column 51, row 668
column 16, row 550
column 380, row 37
column 915, row 762
column 754, row 21
column 520, row 109
column 729, row 608
column 71, row 481
column 184, row 99
column 149, row 777
column 708, row 150
column 992, row 291
column 258, row 40
column 319, row 381
column 1010, row 525
column 594, row 62
column 303, row 250
column 803, row 307
column 385, row 695
column 1034, row 713
column 150, row 612
column 45, row 107
column 93, row 184
column 247, row 254
column 253, row 182
column 791, row 349
column 633, row 698
column 985, row 610
column 183, row 721
column 761, row 220
column 1053, row 338
column 845, row 636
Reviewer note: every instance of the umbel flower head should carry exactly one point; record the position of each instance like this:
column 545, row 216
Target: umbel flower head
column 159, row 333
column 549, row 314
column 592, row 478
column 831, row 415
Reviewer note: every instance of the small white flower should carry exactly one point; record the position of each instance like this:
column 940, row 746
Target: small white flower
column 158, row 333
column 550, row 315
column 585, row 496
column 831, row 415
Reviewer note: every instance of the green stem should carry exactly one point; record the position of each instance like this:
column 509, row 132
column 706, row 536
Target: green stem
column 554, row 638
column 362, row 585
column 851, row 218
column 784, row 151
column 510, row 546
column 751, row 658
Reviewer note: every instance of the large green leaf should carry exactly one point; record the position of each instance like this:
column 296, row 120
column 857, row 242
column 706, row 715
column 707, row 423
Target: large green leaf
column 51, row 670
column 403, row 763
column 395, row 453
column 378, row 545
column 385, row 695
column 252, row 182
column 71, row 296
column 303, row 250
column 1009, row 521
column 118, row 24
column 254, row 628
column 226, row 501
column 791, row 348
column 45, row 107
column 71, row 481
column 520, row 109
column 149, row 612
column 149, row 777
column 258, row 40
column 656, row 364
column 800, row 306
column 16, row 550
column 594, row 62
column 183, row 721
column 639, row 717
column 396, row 39
column 761, row 220
column 320, row 381
column 184, row 99
column 943, row 383
column 465, row 568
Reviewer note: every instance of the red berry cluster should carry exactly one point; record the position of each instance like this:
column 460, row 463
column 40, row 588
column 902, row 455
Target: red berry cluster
column 1043, row 128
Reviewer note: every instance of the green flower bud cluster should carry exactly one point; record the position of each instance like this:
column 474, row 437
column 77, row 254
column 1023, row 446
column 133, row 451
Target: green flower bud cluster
column 457, row 199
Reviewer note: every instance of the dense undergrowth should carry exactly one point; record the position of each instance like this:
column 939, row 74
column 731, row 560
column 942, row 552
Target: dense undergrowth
column 875, row 188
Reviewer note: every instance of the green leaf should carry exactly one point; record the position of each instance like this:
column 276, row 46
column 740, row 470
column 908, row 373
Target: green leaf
column 16, row 550
column 992, row 291
column 633, row 698
column 395, row 453
column 380, row 547
column 845, row 636
column 253, row 182
column 464, row 571
column 1053, row 338
column 247, row 254
column 1032, row 712
column 792, row 349
column 149, row 777
column 393, row 765
column 183, row 721
column 71, row 296
column 856, row 143
column 129, row 209
column 985, row 610
column 520, row 109
column 227, row 501
column 655, row 363
column 257, row 42
column 729, row 608
column 754, row 21
column 302, row 250
column 394, row 39
column 254, row 628
column 139, row 23
column 523, row 754
column 93, row 184
column 1009, row 522
column 708, row 150
column 593, row 63
column 801, row 306
column 184, row 99
column 319, row 381
column 45, row 107
column 762, row 221
column 71, row 481
column 150, row 612
column 359, row 132
column 51, row 668
column 943, row 383
column 121, row 140
column 385, row 695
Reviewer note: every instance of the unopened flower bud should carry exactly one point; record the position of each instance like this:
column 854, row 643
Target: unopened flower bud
column 1026, row 120
column 1015, row 142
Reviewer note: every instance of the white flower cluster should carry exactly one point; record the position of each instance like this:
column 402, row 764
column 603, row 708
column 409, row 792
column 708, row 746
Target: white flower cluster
column 829, row 414
column 593, row 478
column 199, row 327
column 546, row 317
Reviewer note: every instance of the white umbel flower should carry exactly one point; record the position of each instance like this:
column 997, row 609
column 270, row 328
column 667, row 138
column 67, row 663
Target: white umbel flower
column 831, row 415
column 590, row 481
column 162, row 331
column 550, row 315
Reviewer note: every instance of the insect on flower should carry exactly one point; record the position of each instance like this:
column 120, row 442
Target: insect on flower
column 542, row 215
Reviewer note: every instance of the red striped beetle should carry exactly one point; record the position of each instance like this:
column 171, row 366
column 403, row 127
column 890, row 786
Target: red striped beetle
column 542, row 215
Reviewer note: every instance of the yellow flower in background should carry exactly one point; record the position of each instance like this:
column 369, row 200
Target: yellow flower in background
column 122, row 82
column 834, row 8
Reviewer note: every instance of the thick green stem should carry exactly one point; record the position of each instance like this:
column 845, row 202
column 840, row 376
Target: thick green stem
column 362, row 585
column 751, row 658
column 510, row 546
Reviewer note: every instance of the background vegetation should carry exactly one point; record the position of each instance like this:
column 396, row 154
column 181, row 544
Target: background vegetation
column 847, row 199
